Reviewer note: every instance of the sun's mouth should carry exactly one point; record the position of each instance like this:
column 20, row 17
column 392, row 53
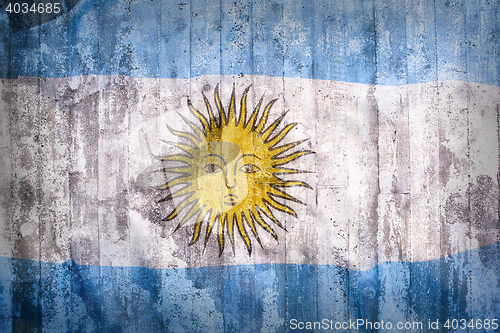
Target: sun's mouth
column 230, row 199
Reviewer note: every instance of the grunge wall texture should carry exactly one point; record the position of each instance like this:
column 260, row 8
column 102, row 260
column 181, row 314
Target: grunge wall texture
column 400, row 102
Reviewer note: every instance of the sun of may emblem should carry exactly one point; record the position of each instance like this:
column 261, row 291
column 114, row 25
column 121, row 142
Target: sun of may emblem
column 228, row 174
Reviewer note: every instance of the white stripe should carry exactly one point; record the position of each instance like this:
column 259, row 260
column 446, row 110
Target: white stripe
column 403, row 173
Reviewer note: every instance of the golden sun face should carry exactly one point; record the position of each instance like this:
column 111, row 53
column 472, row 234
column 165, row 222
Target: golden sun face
column 229, row 172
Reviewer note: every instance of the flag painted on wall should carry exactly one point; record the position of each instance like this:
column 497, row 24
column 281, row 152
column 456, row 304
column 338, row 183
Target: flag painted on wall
column 249, row 166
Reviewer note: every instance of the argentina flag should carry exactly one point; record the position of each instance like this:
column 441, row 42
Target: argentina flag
column 249, row 166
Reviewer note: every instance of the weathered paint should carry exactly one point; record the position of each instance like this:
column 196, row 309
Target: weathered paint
column 400, row 100
column 380, row 42
column 246, row 298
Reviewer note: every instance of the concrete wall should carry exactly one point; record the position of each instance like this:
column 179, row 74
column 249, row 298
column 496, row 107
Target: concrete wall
column 400, row 103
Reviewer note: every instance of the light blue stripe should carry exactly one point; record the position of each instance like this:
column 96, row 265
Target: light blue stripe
column 71, row 297
column 391, row 42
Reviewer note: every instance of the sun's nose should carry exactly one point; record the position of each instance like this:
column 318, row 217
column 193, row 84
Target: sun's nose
column 228, row 180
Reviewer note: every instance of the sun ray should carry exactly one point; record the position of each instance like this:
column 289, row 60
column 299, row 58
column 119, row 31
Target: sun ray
column 279, row 206
column 213, row 218
column 268, row 131
column 250, row 222
column 199, row 133
column 283, row 195
column 228, row 175
column 176, row 158
column 255, row 215
column 243, row 108
column 213, row 120
column 230, row 222
column 260, row 125
column 184, row 191
column 196, row 233
column 278, row 170
column 285, row 148
column 253, row 117
column 218, row 103
column 192, row 211
column 185, row 202
column 292, row 157
column 201, row 118
column 291, row 183
column 184, row 135
column 173, row 182
column 269, row 214
column 185, row 148
column 232, row 107
column 243, row 233
column 181, row 171
column 221, row 233
column 272, row 142
column 279, row 149
column 204, row 214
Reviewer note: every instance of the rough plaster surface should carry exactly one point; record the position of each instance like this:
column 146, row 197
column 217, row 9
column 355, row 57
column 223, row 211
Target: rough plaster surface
column 404, row 173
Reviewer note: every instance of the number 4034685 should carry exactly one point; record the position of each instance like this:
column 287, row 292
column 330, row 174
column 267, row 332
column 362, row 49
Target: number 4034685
column 486, row 324
column 39, row 8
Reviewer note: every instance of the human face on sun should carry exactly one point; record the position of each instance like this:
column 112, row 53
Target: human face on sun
column 226, row 174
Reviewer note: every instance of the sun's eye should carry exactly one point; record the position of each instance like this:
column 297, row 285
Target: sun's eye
column 249, row 168
column 212, row 168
